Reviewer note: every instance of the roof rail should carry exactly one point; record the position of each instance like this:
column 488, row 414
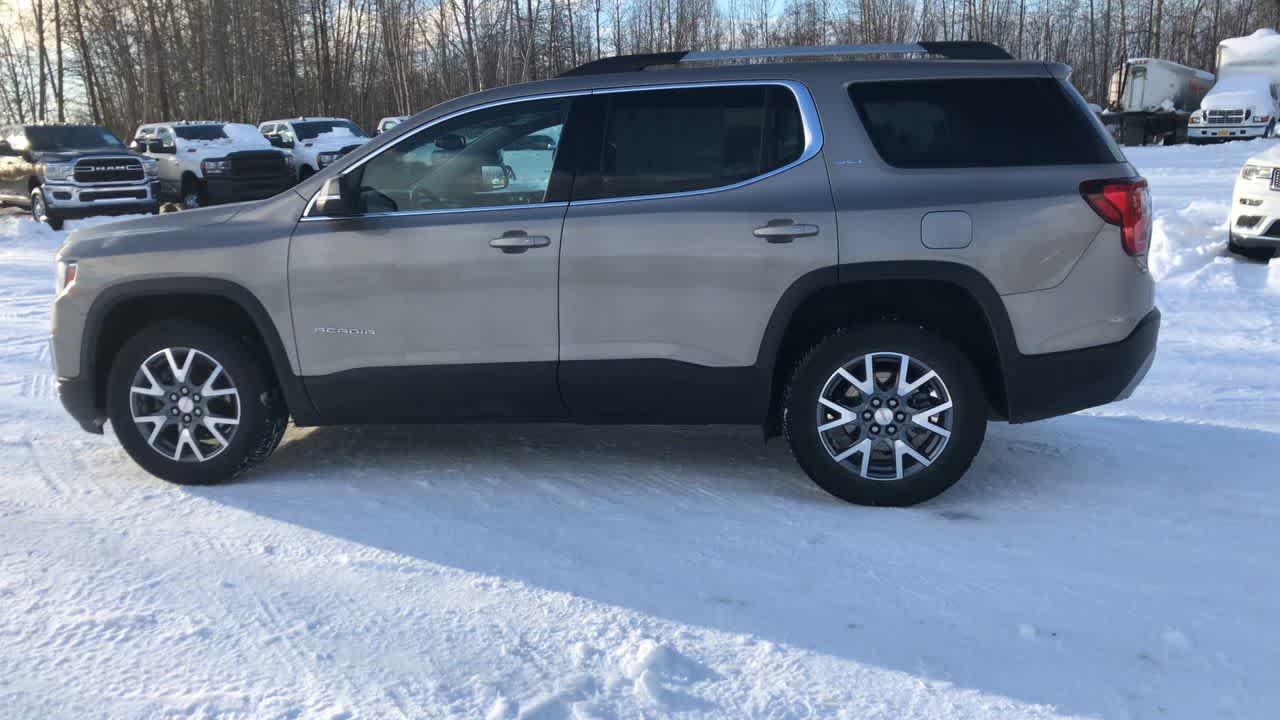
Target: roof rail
column 951, row 50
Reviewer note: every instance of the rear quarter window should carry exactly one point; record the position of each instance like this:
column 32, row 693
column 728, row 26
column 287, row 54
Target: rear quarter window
column 986, row 122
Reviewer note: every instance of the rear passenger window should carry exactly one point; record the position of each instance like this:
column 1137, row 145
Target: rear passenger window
column 978, row 123
column 666, row 141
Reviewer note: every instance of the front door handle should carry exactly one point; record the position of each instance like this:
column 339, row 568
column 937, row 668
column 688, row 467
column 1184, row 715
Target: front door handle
column 784, row 231
column 517, row 241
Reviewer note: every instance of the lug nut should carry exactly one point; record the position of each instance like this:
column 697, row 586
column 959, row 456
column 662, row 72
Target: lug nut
column 893, row 402
column 185, row 391
column 198, row 413
column 875, row 429
column 891, row 429
column 196, row 398
column 173, row 397
column 173, row 411
column 186, row 418
column 875, row 402
column 900, row 417
column 867, row 415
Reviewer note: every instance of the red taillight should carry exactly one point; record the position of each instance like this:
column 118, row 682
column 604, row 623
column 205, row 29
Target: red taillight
column 1125, row 202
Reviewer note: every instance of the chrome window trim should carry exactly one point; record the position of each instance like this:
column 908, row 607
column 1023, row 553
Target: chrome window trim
column 809, row 120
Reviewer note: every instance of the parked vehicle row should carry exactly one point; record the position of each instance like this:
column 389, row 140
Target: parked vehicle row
column 63, row 171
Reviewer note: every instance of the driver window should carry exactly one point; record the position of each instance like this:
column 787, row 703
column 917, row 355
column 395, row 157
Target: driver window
column 493, row 157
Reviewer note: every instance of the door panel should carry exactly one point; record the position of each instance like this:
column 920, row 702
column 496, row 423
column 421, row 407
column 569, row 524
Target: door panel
column 664, row 300
column 386, row 302
column 436, row 300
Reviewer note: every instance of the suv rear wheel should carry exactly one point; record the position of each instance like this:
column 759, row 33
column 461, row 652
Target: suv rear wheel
column 885, row 415
column 193, row 405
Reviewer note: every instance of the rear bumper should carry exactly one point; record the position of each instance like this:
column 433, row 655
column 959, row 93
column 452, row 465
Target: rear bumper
column 229, row 190
column 1044, row 386
column 78, row 398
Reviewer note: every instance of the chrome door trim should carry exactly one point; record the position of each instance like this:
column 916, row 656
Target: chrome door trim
column 809, row 120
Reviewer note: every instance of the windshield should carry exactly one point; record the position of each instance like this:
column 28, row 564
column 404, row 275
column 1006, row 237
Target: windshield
column 61, row 137
column 200, row 132
column 312, row 129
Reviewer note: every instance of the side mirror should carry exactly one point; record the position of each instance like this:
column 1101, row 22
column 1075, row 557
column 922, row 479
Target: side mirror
column 332, row 200
column 283, row 142
column 496, row 177
column 6, row 148
column 451, row 142
column 157, row 146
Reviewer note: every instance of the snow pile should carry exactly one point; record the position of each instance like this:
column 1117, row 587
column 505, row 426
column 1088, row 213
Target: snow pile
column 246, row 136
column 337, row 132
column 1262, row 47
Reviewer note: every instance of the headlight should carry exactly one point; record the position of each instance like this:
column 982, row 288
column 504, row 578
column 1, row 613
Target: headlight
column 150, row 166
column 221, row 166
column 1197, row 117
column 57, row 171
column 327, row 158
column 288, row 160
column 1256, row 172
column 1261, row 118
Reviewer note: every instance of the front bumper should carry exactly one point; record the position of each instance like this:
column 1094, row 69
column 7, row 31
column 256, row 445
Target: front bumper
column 1255, row 214
column 72, row 200
column 1225, row 132
column 1043, row 386
column 220, row 190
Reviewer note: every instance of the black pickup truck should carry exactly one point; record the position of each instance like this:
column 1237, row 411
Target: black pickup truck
column 61, row 172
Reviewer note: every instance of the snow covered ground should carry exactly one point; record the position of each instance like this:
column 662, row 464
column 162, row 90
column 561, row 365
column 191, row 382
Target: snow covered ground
column 1119, row 563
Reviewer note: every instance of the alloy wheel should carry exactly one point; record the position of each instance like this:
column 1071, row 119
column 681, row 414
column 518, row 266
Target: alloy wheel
column 185, row 404
column 885, row 416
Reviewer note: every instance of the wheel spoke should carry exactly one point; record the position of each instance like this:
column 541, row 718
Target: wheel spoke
column 866, row 387
column 922, row 419
column 221, row 420
column 213, row 430
column 845, row 415
column 207, row 389
column 863, row 447
column 905, row 388
column 185, row 439
column 154, row 390
column 179, row 373
column 157, row 423
column 900, row 448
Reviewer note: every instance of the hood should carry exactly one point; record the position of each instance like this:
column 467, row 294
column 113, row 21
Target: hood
column 69, row 154
column 327, row 141
column 1270, row 156
column 207, row 149
column 1248, row 90
column 122, row 236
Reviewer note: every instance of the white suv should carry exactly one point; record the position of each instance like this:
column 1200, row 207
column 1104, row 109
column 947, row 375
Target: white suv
column 314, row 141
column 207, row 163
column 1255, row 207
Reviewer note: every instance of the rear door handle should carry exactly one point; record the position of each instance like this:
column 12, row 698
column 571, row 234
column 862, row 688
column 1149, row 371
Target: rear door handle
column 784, row 231
column 517, row 241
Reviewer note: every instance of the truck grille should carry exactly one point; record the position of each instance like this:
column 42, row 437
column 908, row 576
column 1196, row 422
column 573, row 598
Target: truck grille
column 1224, row 117
column 1275, row 179
column 105, row 170
column 257, row 163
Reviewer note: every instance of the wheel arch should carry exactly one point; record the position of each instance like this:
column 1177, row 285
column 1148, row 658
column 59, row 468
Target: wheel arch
column 949, row 298
column 121, row 310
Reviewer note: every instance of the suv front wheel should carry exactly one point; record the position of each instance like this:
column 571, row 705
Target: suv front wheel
column 885, row 415
column 40, row 210
column 193, row 405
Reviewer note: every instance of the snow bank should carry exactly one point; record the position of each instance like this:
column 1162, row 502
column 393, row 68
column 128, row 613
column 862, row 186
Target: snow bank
column 1260, row 47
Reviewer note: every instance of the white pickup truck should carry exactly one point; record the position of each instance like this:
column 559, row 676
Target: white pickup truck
column 208, row 163
column 314, row 141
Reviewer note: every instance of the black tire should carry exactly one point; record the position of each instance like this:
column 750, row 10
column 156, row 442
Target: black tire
column 193, row 193
column 40, row 211
column 801, row 410
column 305, row 172
column 263, row 416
